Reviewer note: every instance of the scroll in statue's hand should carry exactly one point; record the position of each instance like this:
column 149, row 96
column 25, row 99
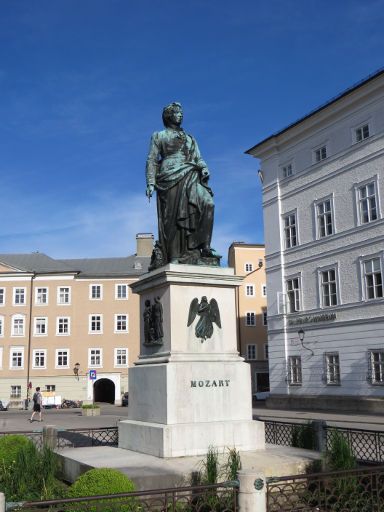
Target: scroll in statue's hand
column 149, row 191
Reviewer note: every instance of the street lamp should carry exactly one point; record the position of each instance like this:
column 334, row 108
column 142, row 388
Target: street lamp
column 301, row 334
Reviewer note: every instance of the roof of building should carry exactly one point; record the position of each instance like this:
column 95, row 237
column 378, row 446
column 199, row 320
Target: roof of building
column 40, row 263
column 346, row 92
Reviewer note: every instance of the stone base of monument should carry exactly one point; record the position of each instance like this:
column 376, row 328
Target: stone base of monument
column 191, row 391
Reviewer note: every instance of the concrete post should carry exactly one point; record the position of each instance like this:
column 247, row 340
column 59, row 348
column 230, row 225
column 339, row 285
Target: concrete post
column 50, row 437
column 2, row 502
column 321, row 434
column 252, row 492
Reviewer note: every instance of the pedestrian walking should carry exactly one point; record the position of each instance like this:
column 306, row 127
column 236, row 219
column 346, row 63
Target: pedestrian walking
column 37, row 404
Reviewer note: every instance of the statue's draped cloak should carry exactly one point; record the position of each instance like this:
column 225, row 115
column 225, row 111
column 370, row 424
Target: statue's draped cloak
column 184, row 202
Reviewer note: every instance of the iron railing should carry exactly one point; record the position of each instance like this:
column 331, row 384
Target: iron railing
column 211, row 498
column 82, row 437
column 359, row 490
column 36, row 436
column 366, row 445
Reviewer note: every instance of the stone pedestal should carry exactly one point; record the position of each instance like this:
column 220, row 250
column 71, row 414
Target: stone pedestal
column 189, row 393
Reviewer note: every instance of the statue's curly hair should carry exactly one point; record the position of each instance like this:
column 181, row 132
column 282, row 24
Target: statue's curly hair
column 168, row 111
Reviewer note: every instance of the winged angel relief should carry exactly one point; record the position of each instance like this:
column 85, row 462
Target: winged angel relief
column 208, row 313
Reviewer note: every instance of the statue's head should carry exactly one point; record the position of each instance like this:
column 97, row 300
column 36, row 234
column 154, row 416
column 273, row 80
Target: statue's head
column 172, row 114
column 147, row 303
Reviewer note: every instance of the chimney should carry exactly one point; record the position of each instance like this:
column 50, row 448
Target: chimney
column 144, row 244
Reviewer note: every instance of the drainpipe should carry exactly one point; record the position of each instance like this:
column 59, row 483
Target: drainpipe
column 29, row 338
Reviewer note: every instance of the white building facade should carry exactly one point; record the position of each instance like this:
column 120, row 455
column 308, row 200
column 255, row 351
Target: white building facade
column 323, row 195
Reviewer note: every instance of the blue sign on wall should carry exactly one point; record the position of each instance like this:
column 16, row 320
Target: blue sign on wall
column 92, row 374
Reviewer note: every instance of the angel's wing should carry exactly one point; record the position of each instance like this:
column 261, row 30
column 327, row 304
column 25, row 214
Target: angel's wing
column 215, row 313
column 193, row 311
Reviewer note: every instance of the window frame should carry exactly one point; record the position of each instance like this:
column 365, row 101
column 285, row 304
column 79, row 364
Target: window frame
column 252, row 314
column 371, row 367
column 358, row 210
column 248, row 264
column 12, row 351
column 35, row 319
column 120, row 331
column 363, row 260
column 13, row 394
column 332, row 370
column 2, row 326
column 122, row 365
column 34, row 354
column 295, row 372
column 19, row 317
column 318, row 151
column 297, row 294
column 266, row 351
column 287, row 230
column 3, row 292
column 361, row 126
column 46, row 294
column 93, row 331
column 24, row 291
column 68, row 318
column 265, row 318
column 251, row 347
column 287, row 169
column 99, row 355
column 64, row 303
column 94, row 285
column 249, row 287
column 316, row 205
column 117, row 286
column 320, row 271
column 68, row 355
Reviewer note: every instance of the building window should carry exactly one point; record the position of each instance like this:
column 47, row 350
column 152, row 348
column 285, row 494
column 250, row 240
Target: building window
column 367, row 203
column 332, row 369
column 263, row 290
column 18, row 326
column 324, row 218
column 1, row 326
column 95, row 292
column 320, row 154
column 293, row 294
column 62, row 326
column 64, row 295
column 15, row 392
column 95, row 357
column 121, row 291
column 250, row 319
column 248, row 267
column 373, row 279
column 266, row 352
column 290, row 235
column 62, row 358
column 362, row 133
column 265, row 318
column 18, row 296
column 287, row 170
column 251, row 352
column 16, row 358
column 1, row 357
column 121, row 357
column 51, row 388
column 328, row 288
column 95, row 324
column 121, row 323
column 376, row 362
column 39, row 358
column 294, row 371
column 2, row 296
column 41, row 296
column 41, row 328
column 250, row 290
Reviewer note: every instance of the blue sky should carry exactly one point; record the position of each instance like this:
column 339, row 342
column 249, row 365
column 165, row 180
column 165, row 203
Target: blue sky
column 83, row 84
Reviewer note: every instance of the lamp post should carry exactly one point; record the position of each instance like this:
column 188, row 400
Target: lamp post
column 301, row 334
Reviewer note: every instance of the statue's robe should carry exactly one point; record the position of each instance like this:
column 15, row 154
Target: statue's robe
column 185, row 206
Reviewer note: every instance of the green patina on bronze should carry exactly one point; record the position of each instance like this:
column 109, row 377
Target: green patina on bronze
column 185, row 206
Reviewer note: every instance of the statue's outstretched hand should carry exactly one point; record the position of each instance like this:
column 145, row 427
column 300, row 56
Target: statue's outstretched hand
column 204, row 173
column 149, row 191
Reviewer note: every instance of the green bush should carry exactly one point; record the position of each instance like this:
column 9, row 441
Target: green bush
column 303, row 436
column 339, row 456
column 10, row 446
column 102, row 481
column 90, row 406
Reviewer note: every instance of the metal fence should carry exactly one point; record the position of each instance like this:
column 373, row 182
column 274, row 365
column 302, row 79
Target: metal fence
column 221, row 497
column 340, row 491
column 35, row 436
column 80, row 437
column 366, row 445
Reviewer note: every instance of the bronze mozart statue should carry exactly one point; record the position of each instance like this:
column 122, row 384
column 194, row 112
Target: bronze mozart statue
column 185, row 206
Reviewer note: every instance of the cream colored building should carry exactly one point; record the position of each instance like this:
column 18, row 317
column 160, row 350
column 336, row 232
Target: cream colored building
column 248, row 261
column 64, row 321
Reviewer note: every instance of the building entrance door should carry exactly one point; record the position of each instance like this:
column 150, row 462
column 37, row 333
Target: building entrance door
column 104, row 391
